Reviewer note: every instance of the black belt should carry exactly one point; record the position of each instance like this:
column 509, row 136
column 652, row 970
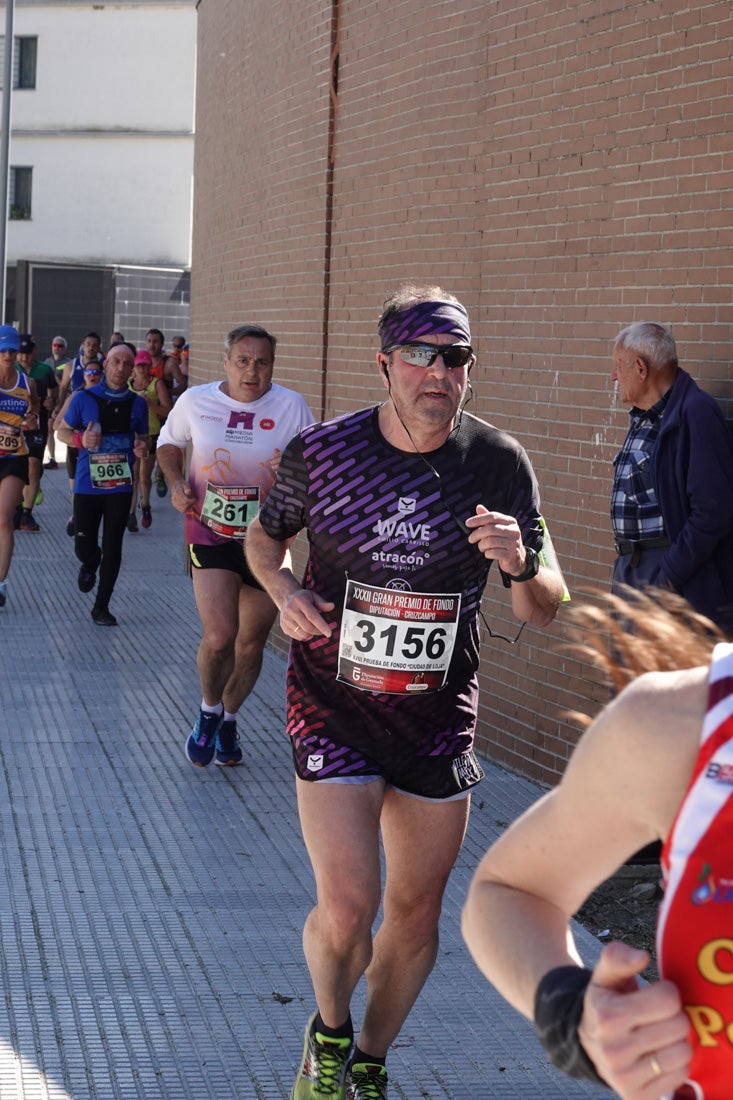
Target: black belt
column 624, row 546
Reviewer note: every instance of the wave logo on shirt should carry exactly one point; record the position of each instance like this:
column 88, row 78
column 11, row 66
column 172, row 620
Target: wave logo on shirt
column 402, row 529
column 712, row 889
column 409, row 537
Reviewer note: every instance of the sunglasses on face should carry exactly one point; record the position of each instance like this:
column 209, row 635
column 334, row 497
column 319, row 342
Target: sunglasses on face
column 454, row 356
column 92, row 370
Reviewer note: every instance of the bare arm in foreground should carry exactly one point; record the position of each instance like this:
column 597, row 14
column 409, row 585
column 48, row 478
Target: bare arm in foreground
column 621, row 790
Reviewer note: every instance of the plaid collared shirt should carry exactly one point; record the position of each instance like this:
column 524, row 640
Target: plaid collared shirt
column 635, row 512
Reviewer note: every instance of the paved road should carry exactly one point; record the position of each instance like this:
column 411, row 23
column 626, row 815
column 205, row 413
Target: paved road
column 150, row 912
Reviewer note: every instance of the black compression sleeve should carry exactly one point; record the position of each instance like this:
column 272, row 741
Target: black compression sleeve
column 558, row 1007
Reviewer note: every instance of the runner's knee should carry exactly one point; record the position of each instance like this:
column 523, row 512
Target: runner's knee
column 345, row 916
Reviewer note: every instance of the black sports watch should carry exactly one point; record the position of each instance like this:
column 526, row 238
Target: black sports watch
column 531, row 569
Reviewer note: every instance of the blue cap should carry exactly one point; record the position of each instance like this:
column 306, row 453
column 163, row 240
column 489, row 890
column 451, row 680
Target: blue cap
column 9, row 338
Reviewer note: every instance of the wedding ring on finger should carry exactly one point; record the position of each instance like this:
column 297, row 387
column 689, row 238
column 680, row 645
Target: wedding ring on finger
column 654, row 1063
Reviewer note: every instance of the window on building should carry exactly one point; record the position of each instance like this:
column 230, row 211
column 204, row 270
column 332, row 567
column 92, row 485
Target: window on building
column 24, row 61
column 21, row 183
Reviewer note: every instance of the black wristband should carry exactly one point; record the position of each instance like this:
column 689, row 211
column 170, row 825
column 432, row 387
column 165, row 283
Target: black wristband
column 531, row 569
column 558, row 1008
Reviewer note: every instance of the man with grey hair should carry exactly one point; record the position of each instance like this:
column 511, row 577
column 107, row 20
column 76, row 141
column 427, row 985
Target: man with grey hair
column 236, row 430
column 672, row 497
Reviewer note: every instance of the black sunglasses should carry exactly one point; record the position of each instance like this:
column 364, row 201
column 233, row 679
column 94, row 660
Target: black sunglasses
column 454, row 356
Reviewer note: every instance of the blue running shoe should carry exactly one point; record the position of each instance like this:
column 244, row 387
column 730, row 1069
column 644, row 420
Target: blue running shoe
column 228, row 752
column 201, row 743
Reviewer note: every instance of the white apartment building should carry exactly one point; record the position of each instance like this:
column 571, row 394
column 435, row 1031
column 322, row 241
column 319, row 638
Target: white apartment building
column 101, row 156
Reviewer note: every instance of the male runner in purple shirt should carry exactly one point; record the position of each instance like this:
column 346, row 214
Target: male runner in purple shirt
column 406, row 505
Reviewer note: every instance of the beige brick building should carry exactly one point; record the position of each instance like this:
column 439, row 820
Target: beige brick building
column 564, row 167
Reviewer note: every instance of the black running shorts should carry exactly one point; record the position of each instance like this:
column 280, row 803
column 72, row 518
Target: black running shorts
column 17, row 466
column 435, row 778
column 226, row 555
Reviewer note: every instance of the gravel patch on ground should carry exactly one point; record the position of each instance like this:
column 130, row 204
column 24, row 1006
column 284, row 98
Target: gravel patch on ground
column 625, row 908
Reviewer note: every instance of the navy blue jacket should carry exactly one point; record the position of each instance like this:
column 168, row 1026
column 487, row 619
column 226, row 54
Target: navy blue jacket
column 692, row 474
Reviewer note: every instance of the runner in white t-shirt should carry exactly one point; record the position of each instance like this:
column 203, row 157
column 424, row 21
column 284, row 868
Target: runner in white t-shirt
column 236, row 430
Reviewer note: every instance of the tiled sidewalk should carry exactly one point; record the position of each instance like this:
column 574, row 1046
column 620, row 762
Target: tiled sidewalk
column 151, row 912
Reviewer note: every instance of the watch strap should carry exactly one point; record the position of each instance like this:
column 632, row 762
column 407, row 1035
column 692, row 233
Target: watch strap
column 531, row 569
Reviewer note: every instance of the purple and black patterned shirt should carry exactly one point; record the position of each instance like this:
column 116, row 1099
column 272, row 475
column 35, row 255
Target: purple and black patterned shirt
column 381, row 517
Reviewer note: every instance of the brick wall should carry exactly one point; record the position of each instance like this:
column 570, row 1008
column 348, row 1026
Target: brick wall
column 565, row 168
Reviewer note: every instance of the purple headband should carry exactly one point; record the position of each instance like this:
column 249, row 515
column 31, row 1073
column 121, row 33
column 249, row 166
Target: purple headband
column 425, row 319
